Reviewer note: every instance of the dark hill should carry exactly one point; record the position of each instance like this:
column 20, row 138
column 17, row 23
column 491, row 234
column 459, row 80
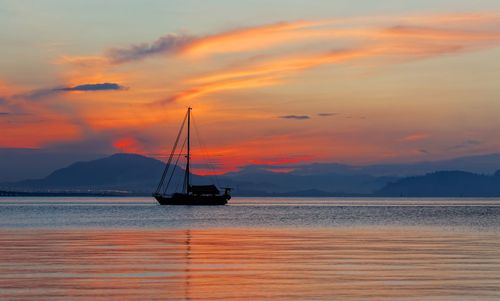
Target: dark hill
column 115, row 169
column 445, row 184
column 135, row 174
column 267, row 182
column 127, row 172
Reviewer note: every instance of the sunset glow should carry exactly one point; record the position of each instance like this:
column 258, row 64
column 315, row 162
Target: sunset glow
column 337, row 84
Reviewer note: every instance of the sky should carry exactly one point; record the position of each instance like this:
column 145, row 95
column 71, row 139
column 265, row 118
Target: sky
column 270, row 82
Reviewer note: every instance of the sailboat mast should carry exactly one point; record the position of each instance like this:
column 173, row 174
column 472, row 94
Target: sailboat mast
column 188, row 150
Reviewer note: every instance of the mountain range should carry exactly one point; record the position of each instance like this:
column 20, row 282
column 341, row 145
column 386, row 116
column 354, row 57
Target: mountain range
column 444, row 184
column 138, row 175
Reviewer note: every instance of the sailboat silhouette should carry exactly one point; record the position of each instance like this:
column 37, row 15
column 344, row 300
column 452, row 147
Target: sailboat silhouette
column 191, row 194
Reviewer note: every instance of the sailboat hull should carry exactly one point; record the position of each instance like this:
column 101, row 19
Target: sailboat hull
column 193, row 200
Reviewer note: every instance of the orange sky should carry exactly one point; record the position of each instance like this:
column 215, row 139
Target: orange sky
column 405, row 86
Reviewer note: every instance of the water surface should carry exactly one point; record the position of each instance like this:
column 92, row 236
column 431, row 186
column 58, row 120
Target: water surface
column 255, row 249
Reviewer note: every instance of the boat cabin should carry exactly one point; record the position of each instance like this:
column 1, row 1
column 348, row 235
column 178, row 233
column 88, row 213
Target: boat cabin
column 203, row 189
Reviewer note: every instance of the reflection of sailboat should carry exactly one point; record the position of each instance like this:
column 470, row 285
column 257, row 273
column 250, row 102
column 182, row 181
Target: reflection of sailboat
column 187, row 271
column 190, row 194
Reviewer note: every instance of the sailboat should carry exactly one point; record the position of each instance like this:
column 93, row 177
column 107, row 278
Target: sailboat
column 192, row 195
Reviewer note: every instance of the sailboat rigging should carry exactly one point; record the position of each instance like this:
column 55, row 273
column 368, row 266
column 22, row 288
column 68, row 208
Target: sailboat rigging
column 190, row 194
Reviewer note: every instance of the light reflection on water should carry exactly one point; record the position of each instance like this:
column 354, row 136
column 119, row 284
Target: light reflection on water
column 249, row 264
column 131, row 249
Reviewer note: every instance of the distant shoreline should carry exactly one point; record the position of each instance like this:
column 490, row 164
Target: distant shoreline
column 64, row 194
column 269, row 195
column 4, row 193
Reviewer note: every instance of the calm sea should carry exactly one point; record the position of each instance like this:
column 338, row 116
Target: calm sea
column 254, row 249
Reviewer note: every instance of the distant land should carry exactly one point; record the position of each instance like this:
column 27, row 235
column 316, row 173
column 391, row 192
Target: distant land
column 131, row 174
column 17, row 164
column 444, row 184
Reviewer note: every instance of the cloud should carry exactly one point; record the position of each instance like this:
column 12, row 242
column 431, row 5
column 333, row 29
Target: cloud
column 299, row 117
column 40, row 93
column 281, row 66
column 326, row 114
column 437, row 28
column 242, row 39
column 420, row 32
column 392, row 43
column 270, row 35
column 4, row 113
column 392, row 38
column 465, row 144
column 266, row 73
column 92, row 87
column 251, row 38
column 168, row 44
column 218, row 86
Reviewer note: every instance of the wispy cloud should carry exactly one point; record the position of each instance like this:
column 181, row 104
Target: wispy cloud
column 326, row 114
column 299, row 117
column 92, row 87
column 236, row 40
column 250, row 38
column 394, row 43
column 271, row 72
column 168, row 44
column 429, row 33
column 40, row 93
column 465, row 144
column 468, row 28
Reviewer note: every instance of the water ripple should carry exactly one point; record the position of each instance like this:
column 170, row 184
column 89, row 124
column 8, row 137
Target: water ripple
column 386, row 263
